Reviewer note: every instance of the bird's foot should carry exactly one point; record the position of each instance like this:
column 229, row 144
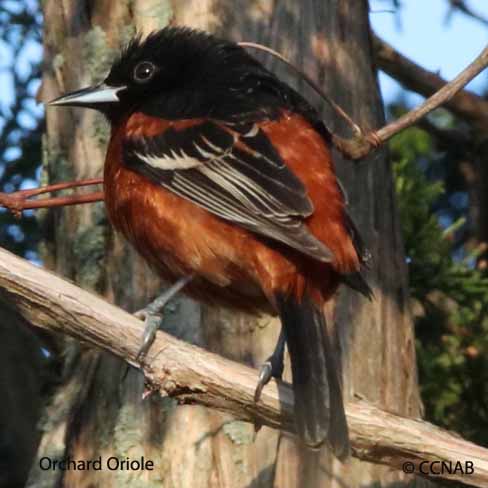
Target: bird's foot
column 153, row 317
column 152, row 323
column 269, row 369
column 272, row 367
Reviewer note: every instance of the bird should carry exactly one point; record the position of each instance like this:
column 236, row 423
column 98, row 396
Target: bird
column 221, row 176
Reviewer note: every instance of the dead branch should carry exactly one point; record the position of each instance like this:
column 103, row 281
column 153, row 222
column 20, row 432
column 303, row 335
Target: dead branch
column 466, row 105
column 193, row 375
column 359, row 147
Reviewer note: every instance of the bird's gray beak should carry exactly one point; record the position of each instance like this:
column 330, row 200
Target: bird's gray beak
column 90, row 97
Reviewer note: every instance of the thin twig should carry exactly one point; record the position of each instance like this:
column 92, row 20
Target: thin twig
column 355, row 128
column 442, row 96
column 359, row 147
column 464, row 104
column 18, row 201
column 57, row 187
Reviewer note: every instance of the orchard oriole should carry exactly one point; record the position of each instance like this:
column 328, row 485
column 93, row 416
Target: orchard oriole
column 218, row 170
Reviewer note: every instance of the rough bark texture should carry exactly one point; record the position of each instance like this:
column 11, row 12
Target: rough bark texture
column 191, row 446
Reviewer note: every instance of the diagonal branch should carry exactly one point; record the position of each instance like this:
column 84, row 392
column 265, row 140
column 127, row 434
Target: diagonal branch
column 360, row 147
column 193, row 375
column 466, row 105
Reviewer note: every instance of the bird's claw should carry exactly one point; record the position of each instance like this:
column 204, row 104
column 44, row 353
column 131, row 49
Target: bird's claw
column 152, row 317
column 265, row 374
column 152, row 323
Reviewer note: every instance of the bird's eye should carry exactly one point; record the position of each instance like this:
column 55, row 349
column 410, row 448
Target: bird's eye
column 144, row 71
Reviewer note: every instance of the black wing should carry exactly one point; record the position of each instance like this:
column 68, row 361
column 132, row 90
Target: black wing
column 234, row 173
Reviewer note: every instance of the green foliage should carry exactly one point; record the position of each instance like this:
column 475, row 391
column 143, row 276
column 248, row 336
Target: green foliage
column 427, row 250
column 451, row 297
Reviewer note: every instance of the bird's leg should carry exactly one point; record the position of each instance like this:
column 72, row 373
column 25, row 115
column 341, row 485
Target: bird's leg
column 152, row 315
column 273, row 366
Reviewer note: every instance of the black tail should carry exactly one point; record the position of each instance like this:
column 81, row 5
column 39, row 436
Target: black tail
column 319, row 411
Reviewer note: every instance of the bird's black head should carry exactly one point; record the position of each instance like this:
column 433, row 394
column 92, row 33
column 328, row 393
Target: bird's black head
column 182, row 73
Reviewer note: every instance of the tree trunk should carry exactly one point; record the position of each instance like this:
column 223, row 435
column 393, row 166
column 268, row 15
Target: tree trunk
column 22, row 377
column 103, row 413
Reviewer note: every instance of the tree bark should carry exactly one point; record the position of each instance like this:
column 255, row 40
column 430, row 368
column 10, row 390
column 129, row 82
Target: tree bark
column 23, row 375
column 193, row 446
